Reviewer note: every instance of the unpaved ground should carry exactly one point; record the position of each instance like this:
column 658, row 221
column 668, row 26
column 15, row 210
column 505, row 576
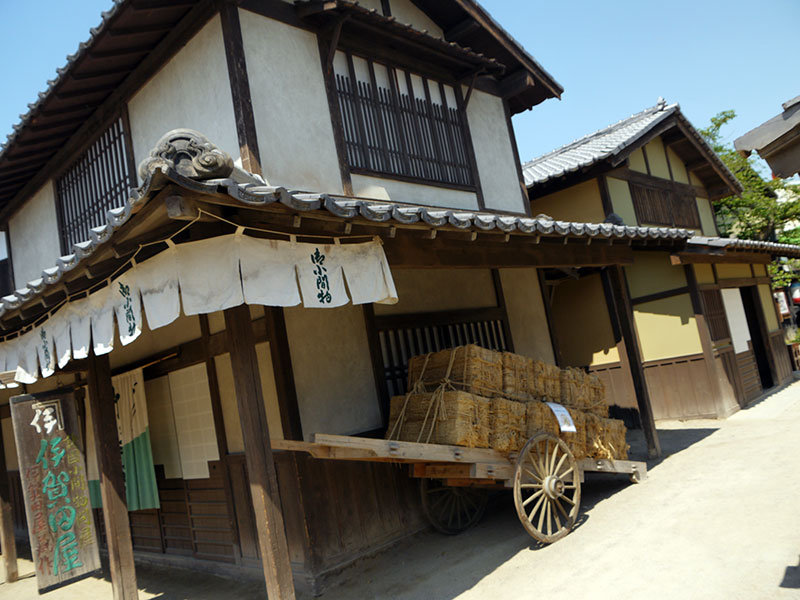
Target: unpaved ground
column 718, row 518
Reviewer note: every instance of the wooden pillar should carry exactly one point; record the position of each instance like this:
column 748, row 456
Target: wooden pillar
column 614, row 281
column 258, row 453
column 112, row 483
column 7, row 542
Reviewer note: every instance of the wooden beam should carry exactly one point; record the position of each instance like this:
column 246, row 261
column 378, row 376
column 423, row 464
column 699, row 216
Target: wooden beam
column 411, row 251
column 240, row 87
column 614, row 279
column 660, row 295
column 112, row 483
column 284, row 372
column 714, row 256
column 548, row 311
column 459, row 30
column 258, row 452
column 8, row 543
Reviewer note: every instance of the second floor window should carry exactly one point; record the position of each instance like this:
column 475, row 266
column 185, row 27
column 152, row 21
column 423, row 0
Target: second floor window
column 401, row 125
column 98, row 180
column 656, row 206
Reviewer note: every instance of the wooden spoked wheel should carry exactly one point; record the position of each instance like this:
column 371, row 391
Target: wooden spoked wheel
column 452, row 510
column 547, row 488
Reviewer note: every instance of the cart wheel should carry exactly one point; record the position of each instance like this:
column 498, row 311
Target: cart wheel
column 547, row 488
column 452, row 510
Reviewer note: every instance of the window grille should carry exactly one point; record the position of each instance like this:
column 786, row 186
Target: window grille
column 400, row 124
column 714, row 312
column 656, row 206
column 97, row 181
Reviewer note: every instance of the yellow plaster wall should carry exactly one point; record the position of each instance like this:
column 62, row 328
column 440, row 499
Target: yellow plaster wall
column 667, row 328
column 432, row 290
column 636, row 161
column 733, row 271
column 695, row 180
column 652, row 272
column 706, row 212
column 581, row 323
column 704, row 273
column 760, row 270
column 581, row 202
column 657, row 159
column 526, row 314
column 679, row 172
column 621, row 201
column 768, row 306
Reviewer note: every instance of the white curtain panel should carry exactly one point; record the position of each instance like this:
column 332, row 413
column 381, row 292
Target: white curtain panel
column 205, row 277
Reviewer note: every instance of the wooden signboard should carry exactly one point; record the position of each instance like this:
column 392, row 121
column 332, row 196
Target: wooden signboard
column 53, row 472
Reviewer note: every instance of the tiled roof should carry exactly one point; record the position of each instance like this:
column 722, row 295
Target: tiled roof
column 613, row 141
column 596, row 146
column 789, row 250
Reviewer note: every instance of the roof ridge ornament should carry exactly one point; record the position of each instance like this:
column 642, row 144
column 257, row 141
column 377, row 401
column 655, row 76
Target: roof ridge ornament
column 189, row 153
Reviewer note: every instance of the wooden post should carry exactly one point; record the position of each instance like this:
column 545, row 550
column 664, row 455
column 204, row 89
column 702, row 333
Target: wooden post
column 7, row 542
column 258, row 452
column 614, row 280
column 112, row 483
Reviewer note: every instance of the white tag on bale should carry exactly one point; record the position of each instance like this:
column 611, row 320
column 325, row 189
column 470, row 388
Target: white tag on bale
column 565, row 422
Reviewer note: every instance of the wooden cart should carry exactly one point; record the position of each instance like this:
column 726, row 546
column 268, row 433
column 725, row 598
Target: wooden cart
column 454, row 481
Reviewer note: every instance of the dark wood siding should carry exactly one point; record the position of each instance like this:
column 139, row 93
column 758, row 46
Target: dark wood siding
column 618, row 383
column 748, row 371
column 714, row 310
column 658, row 206
column 680, row 388
column 726, row 359
column 780, row 354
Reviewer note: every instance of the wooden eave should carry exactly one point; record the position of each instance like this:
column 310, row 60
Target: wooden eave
column 466, row 23
column 129, row 32
column 362, row 27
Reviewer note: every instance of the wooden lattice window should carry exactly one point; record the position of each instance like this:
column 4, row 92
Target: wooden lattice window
column 404, row 336
column 98, row 180
column 657, row 206
column 714, row 311
column 401, row 125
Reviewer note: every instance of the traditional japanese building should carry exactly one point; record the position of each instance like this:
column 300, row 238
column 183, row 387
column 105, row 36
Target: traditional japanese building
column 256, row 212
column 707, row 330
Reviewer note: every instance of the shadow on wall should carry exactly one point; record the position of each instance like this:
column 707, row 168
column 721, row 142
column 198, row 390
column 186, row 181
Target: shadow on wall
column 791, row 579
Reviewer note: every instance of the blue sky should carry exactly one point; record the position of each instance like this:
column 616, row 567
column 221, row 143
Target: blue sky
column 613, row 57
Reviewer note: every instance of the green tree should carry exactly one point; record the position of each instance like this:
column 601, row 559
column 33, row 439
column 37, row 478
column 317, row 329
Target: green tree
column 758, row 213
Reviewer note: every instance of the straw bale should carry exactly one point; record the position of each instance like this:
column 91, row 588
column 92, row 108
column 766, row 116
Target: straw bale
column 475, row 370
column 541, row 418
column 462, row 419
column 605, row 438
column 519, row 377
column 546, row 381
column 597, row 396
column 508, row 431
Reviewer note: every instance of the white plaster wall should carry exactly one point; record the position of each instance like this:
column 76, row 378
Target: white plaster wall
column 190, row 91
column 412, row 193
column 332, row 370
column 405, row 12
column 34, row 236
column 526, row 314
column 494, row 153
column 434, row 290
column 293, row 121
column 737, row 321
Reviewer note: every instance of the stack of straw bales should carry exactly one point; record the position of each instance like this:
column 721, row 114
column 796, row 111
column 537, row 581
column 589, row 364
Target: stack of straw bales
column 474, row 397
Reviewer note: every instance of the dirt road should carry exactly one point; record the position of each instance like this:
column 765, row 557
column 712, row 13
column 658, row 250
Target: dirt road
column 718, row 518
